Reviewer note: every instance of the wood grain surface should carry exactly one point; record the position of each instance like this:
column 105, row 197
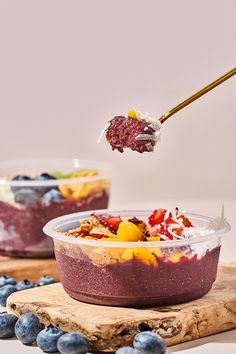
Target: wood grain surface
column 108, row 328
column 28, row 268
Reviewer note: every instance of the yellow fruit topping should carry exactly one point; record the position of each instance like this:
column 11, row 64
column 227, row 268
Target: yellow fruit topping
column 82, row 190
column 133, row 114
column 156, row 251
column 153, row 238
column 142, row 226
column 84, row 173
column 127, row 231
column 141, row 254
column 175, row 257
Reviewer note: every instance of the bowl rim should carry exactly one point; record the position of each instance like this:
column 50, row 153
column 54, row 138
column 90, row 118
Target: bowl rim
column 84, row 163
column 50, row 230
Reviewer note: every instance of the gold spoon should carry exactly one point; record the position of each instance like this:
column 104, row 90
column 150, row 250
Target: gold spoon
column 198, row 94
column 150, row 139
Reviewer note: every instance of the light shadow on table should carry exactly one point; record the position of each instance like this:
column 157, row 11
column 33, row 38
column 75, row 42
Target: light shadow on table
column 226, row 337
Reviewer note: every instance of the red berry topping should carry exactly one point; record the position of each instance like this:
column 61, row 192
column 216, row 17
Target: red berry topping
column 110, row 222
column 157, row 217
column 98, row 236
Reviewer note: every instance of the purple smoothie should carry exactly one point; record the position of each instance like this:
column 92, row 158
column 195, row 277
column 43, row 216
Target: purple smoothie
column 133, row 283
column 21, row 227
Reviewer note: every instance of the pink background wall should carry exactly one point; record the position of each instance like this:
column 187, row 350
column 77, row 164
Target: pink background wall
column 66, row 67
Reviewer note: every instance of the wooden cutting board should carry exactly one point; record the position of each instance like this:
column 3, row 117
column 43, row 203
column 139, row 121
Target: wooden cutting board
column 28, row 268
column 108, row 328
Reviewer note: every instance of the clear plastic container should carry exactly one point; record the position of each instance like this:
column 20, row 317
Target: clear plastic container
column 137, row 274
column 25, row 206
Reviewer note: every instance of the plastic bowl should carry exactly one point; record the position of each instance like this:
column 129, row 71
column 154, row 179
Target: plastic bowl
column 136, row 274
column 25, row 207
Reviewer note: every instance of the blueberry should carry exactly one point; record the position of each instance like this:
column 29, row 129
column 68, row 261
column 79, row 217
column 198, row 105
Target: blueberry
column 73, row 343
column 45, row 280
column 149, row 342
column 6, row 280
column 48, row 337
column 52, row 196
column 25, row 196
column 24, row 284
column 27, row 328
column 41, row 190
column 6, row 291
column 45, row 177
column 19, row 178
column 7, row 324
column 127, row 350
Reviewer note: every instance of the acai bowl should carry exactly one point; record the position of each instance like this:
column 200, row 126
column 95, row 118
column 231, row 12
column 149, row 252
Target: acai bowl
column 32, row 192
column 137, row 258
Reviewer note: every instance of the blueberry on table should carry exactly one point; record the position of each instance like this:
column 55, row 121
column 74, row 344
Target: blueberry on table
column 5, row 292
column 48, row 337
column 6, row 280
column 149, row 343
column 24, row 284
column 52, row 196
column 27, row 328
column 45, row 280
column 126, row 350
column 73, row 343
column 7, row 325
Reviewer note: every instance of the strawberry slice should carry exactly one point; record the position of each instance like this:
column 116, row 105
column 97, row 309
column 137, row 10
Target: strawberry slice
column 162, row 229
column 110, row 222
column 157, row 217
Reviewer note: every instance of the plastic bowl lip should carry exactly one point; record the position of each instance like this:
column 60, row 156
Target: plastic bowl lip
column 51, row 226
column 79, row 163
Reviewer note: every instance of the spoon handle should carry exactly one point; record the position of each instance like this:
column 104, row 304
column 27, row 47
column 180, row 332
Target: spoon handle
column 198, row 94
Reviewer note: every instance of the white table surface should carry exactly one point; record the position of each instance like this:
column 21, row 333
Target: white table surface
column 216, row 344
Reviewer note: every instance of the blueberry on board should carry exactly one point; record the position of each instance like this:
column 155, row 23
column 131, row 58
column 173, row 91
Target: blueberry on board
column 149, row 342
column 48, row 337
column 6, row 280
column 27, row 328
column 126, row 350
column 19, row 178
column 5, row 292
column 25, row 195
column 7, row 324
column 73, row 343
column 45, row 280
column 53, row 195
column 24, row 284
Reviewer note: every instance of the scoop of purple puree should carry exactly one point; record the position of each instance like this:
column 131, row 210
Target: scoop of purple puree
column 122, row 133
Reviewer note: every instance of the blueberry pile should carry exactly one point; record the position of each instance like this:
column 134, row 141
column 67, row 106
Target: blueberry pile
column 50, row 339
column 8, row 285
column 28, row 329
column 28, row 195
